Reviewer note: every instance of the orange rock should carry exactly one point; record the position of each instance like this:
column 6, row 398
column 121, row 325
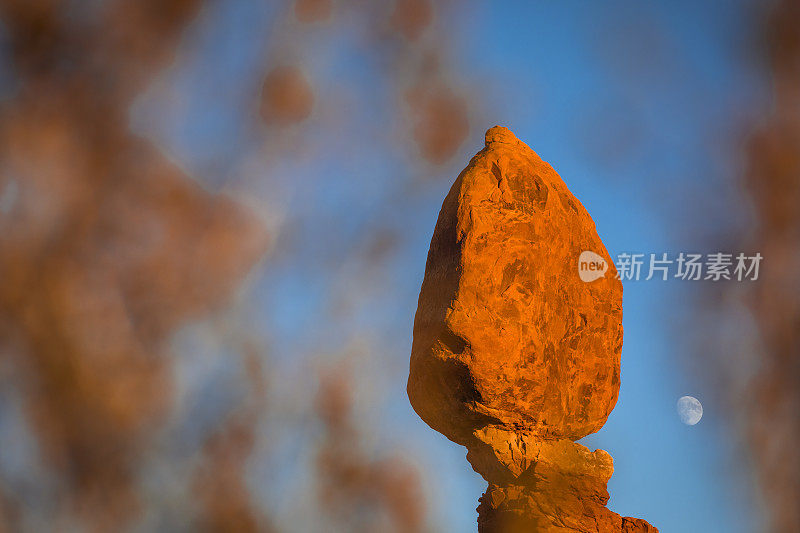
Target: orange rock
column 514, row 355
column 538, row 485
column 506, row 333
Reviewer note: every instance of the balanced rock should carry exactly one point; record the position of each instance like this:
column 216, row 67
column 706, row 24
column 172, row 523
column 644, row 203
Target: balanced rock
column 516, row 354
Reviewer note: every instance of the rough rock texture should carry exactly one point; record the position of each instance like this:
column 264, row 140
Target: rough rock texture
column 514, row 356
column 548, row 485
column 506, row 332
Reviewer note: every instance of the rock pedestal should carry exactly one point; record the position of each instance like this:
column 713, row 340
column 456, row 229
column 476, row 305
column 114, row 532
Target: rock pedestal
column 514, row 355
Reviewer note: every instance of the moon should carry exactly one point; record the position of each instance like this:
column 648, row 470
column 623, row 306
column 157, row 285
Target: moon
column 690, row 410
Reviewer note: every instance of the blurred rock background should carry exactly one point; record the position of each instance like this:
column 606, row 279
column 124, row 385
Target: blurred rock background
column 214, row 217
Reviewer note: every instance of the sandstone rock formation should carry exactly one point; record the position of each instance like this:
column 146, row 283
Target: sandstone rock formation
column 514, row 356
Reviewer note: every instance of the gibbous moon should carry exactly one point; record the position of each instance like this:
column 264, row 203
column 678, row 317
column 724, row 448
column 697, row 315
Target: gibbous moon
column 690, row 410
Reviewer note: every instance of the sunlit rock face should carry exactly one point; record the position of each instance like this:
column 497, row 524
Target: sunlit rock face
column 514, row 355
column 506, row 333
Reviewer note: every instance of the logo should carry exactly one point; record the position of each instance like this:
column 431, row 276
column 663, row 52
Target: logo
column 591, row 266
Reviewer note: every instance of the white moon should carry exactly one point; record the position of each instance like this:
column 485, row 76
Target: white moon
column 690, row 410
